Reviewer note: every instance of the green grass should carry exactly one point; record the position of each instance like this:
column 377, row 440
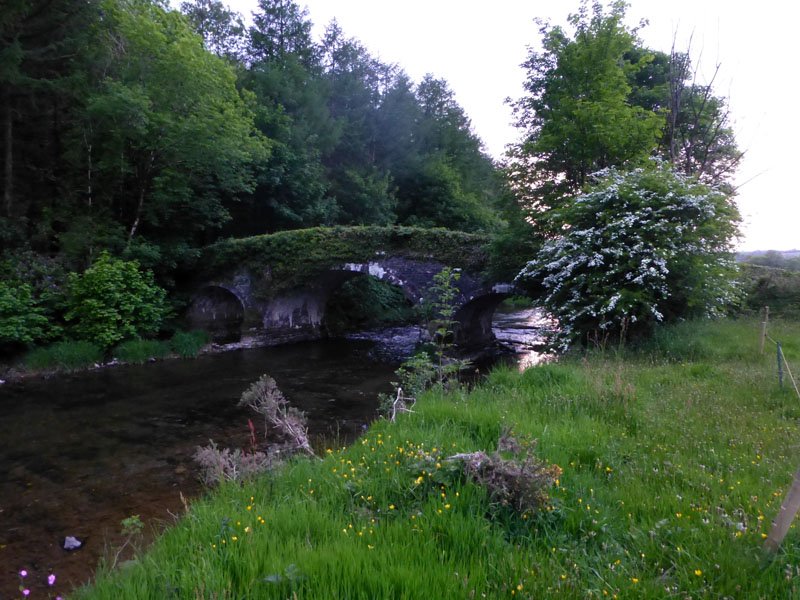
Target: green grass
column 675, row 459
column 189, row 343
column 67, row 355
column 139, row 351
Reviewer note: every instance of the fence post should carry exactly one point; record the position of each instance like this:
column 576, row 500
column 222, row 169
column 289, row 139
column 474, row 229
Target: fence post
column 780, row 366
column 764, row 328
column 789, row 508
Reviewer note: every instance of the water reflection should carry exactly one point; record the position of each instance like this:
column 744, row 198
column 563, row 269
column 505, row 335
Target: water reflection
column 81, row 452
column 523, row 331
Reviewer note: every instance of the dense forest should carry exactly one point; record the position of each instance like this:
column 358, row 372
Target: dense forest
column 136, row 132
column 136, row 129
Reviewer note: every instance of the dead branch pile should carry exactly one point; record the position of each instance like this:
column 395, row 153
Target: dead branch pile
column 519, row 482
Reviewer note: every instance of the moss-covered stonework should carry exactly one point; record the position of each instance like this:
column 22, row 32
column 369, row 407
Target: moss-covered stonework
column 274, row 288
column 294, row 258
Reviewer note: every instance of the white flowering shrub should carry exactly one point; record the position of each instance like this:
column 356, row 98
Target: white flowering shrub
column 637, row 248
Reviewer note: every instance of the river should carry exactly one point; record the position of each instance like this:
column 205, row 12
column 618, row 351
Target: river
column 81, row 452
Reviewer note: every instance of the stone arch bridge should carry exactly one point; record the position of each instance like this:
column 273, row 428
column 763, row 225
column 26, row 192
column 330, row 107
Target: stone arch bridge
column 273, row 289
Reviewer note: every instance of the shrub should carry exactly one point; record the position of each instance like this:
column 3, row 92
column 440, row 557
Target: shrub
column 21, row 320
column 189, row 343
column 138, row 351
column 69, row 354
column 113, row 300
column 636, row 249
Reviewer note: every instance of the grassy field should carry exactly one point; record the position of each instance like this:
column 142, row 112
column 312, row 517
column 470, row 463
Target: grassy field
column 675, row 459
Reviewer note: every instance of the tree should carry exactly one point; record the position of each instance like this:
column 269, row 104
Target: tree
column 445, row 179
column 169, row 140
column 635, row 249
column 113, row 301
column 222, row 29
column 42, row 42
column 576, row 118
column 697, row 137
column 281, row 29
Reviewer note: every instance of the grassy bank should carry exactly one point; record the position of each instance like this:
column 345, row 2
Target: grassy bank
column 675, row 459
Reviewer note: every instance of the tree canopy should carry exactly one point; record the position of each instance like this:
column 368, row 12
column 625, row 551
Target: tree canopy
column 131, row 127
column 576, row 116
column 637, row 248
column 623, row 175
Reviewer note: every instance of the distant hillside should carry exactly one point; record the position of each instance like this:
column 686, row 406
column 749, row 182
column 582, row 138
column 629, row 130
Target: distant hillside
column 785, row 254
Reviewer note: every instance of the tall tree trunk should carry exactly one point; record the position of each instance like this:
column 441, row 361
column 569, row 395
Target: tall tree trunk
column 144, row 184
column 135, row 225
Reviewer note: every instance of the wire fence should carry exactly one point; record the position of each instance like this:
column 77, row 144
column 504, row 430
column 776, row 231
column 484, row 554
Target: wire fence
column 791, row 502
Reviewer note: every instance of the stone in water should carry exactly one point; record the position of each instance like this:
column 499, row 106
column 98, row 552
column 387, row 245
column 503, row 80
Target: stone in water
column 72, row 543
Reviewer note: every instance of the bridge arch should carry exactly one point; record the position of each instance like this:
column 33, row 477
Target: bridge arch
column 473, row 327
column 275, row 287
column 219, row 311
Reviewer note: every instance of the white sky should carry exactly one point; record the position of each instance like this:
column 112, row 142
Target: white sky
column 478, row 46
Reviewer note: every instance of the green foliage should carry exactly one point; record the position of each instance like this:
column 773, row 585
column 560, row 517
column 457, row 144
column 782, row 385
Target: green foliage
column 68, row 354
column 512, row 246
column 21, row 320
column 672, row 473
column 139, row 351
column 189, row 343
column 443, row 294
column 113, row 301
column 763, row 286
column 637, row 249
column 296, row 256
column 576, row 117
column 788, row 261
column 131, row 525
column 45, row 276
column 425, row 368
column 366, row 302
column 167, row 136
column 126, row 134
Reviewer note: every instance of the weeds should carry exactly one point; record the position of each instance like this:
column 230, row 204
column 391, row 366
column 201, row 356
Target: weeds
column 139, row 351
column 284, row 434
column 189, row 343
column 671, row 471
column 67, row 355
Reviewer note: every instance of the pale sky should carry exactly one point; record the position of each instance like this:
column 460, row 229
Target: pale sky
column 478, row 47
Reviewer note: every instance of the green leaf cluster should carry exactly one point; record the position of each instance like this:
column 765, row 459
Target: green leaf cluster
column 576, row 115
column 636, row 248
column 22, row 321
column 113, row 301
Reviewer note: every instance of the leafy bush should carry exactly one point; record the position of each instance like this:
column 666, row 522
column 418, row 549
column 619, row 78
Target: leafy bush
column 138, row 351
column 189, row 343
column 45, row 276
column 69, row 354
column 636, row 249
column 765, row 286
column 21, row 320
column 366, row 302
column 113, row 300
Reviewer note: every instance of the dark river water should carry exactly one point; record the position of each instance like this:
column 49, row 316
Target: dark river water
column 81, row 452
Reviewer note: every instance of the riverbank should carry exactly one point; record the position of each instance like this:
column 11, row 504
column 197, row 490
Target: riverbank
column 674, row 459
column 82, row 451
